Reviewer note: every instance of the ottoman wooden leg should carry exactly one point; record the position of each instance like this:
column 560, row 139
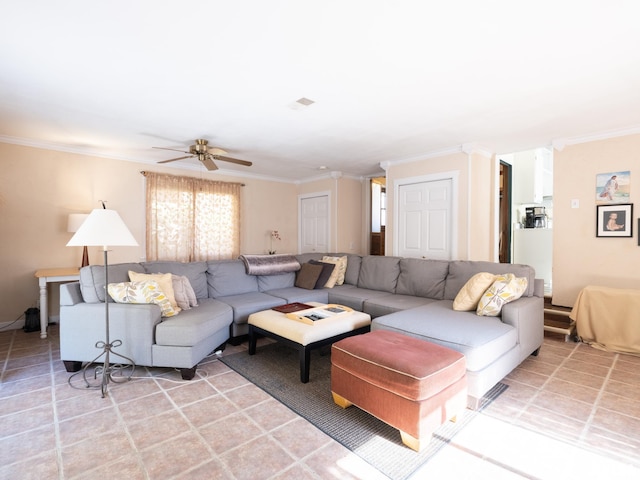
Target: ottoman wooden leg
column 341, row 401
column 412, row 442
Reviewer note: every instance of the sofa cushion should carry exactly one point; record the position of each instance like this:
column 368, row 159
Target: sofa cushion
column 142, row 292
column 354, row 262
column 92, row 282
column 351, row 296
column 392, row 302
column 308, row 276
column 468, row 297
column 301, row 295
column 460, row 271
column 505, row 289
column 228, row 277
column 196, row 272
column 482, row 340
column 190, row 327
column 245, row 304
column 422, row 278
column 379, row 273
column 271, row 282
column 305, row 257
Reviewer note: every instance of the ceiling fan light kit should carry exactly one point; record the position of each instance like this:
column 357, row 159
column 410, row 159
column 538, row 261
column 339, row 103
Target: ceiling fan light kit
column 205, row 154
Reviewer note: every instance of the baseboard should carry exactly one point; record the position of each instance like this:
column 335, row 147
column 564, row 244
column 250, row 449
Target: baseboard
column 6, row 326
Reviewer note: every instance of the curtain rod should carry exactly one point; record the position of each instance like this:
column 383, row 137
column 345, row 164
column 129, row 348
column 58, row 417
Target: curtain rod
column 144, row 174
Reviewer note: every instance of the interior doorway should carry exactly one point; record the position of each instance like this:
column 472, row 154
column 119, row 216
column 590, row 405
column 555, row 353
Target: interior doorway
column 504, row 239
column 378, row 202
column 531, row 217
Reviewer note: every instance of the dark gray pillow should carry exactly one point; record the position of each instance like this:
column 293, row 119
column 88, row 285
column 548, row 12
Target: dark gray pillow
column 308, row 276
column 327, row 270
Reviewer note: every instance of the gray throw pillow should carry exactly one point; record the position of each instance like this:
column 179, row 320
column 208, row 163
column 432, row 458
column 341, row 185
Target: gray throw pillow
column 327, row 270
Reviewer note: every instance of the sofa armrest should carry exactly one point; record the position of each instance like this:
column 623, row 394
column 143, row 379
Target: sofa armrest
column 70, row 293
column 527, row 315
column 83, row 324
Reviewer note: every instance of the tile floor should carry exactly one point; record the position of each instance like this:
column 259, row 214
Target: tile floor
column 571, row 412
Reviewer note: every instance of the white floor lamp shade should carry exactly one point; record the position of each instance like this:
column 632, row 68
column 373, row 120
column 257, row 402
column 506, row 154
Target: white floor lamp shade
column 106, row 228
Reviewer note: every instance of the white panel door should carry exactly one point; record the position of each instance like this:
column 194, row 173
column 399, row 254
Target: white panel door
column 314, row 224
column 425, row 219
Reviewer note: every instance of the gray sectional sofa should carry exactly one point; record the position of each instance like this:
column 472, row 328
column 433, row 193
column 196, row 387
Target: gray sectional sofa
column 411, row 296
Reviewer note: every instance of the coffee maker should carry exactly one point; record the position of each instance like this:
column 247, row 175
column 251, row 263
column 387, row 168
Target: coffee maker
column 535, row 217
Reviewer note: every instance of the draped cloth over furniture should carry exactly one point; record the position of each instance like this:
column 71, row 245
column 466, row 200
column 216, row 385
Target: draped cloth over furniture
column 607, row 318
column 191, row 219
column 276, row 264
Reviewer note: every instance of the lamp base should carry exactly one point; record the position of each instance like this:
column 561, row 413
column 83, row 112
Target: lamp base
column 85, row 257
column 106, row 372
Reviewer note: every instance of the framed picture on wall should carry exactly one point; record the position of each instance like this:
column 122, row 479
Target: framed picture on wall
column 614, row 220
column 613, row 187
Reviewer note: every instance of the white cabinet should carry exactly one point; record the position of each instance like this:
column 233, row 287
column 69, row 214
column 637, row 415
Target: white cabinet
column 532, row 176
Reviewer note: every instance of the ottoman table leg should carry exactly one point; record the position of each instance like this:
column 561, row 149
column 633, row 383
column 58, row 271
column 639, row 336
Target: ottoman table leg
column 305, row 360
column 341, row 401
column 412, row 442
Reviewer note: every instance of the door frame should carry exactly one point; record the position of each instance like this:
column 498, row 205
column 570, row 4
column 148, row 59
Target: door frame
column 452, row 175
column 303, row 196
column 505, row 170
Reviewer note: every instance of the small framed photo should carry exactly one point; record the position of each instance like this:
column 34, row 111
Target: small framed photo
column 614, row 220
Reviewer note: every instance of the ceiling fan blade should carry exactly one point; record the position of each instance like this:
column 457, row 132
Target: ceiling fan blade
column 174, row 159
column 207, row 161
column 232, row 160
column 172, row 149
column 216, row 151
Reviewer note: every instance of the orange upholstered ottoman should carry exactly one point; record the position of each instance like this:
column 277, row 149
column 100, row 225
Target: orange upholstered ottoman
column 410, row 384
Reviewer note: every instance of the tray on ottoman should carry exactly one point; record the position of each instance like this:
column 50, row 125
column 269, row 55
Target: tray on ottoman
column 410, row 384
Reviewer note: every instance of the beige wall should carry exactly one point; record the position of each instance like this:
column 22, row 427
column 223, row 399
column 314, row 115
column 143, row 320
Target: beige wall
column 39, row 188
column 475, row 199
column 579, row 257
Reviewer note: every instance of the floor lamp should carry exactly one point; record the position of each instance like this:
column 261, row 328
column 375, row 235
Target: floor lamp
column 105, row 228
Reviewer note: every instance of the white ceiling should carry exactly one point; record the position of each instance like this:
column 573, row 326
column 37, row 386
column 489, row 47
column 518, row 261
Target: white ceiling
column 391, row 80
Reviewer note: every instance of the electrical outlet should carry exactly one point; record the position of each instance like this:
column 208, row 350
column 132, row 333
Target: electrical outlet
column 575, row 203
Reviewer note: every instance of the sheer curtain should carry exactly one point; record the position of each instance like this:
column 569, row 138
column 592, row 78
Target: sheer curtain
column 191, row 219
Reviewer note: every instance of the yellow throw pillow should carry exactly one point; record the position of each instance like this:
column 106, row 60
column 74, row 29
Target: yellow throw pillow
column 505, row 289
column 468, row 297
column 337, row 276
column 141, row 292
column 164, row 281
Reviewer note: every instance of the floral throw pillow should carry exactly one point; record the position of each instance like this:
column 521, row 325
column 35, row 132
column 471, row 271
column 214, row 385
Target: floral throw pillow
column 506, row 288
column 141, row 292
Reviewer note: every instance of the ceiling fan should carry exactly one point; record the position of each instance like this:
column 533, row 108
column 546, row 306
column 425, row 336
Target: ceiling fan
column 205, row 154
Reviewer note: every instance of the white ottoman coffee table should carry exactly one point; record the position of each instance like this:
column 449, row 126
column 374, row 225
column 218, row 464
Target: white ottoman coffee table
column 305, row 337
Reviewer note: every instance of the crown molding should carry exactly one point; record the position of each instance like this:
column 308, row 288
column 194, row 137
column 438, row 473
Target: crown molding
column 84, row 150
column 560, row 143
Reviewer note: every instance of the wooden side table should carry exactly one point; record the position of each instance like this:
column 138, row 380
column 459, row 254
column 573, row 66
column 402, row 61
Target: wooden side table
column 51, row 275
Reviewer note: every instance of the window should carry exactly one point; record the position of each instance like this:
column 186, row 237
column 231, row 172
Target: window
column 190, row 219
